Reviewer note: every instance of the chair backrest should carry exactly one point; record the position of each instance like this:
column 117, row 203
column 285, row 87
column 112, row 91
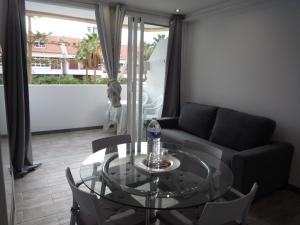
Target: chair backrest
column 216, row 213
column 145, row 98
column 158, row 101
column 88, row 213
column 204, row 148
column 110, row 141
column 153, row 109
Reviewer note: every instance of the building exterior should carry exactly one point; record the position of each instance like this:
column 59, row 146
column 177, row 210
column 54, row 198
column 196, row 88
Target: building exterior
column 56, row 56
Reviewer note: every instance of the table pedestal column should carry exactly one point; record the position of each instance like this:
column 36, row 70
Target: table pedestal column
column 149, row 210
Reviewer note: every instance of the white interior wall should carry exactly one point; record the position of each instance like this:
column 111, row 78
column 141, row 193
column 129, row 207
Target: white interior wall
column 55, row 107
column 249, row 60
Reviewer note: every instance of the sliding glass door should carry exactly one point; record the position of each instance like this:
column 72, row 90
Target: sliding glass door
column 135, row 68
column 155, row 52
column 147, row 50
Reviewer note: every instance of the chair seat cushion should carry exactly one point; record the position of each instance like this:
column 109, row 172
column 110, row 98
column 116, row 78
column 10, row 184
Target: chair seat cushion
column 134, row 219
column 241, row 131
column 183, row 217
column 117, row 214
column 174, row 217
column 197, row 119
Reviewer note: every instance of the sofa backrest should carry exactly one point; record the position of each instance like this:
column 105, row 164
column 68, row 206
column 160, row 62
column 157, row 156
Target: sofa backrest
column 241, row 131
column 197, row 119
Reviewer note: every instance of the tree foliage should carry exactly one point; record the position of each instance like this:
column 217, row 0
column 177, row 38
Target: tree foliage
column 38, row 36
column 47, row 79
column 89, row 51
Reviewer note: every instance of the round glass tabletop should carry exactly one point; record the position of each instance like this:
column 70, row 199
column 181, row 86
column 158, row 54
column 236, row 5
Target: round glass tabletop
column 119, row 171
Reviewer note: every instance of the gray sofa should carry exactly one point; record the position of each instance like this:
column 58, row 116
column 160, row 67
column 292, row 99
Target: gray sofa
column 245, row 142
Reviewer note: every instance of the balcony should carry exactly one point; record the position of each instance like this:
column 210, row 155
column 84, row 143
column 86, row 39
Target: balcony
column 61, row 107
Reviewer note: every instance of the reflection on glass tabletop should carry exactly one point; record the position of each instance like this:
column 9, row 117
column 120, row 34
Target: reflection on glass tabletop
column 188, row 181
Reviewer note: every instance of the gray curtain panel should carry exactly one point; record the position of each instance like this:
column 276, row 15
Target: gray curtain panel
column 109, row 19
column 16, row 88
column 171, row 105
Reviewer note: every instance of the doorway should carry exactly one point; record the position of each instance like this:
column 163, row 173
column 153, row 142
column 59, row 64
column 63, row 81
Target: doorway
column 147, row 51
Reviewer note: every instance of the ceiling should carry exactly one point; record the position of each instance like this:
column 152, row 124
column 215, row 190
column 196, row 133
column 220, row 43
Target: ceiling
column 164, row 6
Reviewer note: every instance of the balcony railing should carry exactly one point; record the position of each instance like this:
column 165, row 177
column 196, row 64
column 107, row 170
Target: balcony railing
column 56, row 107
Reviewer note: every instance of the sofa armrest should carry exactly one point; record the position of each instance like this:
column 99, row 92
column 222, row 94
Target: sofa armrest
column 168, row 122
column 268, row 165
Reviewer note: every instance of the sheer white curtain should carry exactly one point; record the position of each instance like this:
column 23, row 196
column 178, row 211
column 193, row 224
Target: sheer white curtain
column 109, row 19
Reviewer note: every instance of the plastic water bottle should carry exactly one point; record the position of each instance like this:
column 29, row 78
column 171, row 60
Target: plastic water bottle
column 153, row 140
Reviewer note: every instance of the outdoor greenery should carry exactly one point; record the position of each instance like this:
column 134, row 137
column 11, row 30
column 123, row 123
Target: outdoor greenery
column 46, row 79
column 89, row 53
column 54, row 80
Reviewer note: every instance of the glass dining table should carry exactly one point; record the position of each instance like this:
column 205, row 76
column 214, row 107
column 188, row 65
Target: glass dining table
column 185, row 181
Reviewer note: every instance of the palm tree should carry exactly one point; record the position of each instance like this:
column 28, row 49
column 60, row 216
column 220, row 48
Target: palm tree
column 89, row 53
column 82, row 55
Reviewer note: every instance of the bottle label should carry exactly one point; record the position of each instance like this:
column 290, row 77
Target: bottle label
column 153, row 134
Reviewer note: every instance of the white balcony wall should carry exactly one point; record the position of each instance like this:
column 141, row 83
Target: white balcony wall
column 83, row 72
column 55, row 107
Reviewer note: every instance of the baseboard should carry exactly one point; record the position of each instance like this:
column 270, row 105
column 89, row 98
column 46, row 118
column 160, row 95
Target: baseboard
column 65, row 130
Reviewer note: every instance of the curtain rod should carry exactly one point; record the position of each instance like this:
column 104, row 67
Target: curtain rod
column 129, row 10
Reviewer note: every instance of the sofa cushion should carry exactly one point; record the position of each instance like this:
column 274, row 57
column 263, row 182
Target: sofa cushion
column 241, row 131
column 197, row 119
column 176, row 136
column 179, row 136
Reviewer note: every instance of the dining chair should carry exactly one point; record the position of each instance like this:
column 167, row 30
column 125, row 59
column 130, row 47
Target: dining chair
column 108, row 142
column 87, row 209
column 153, row 109
column 232, row 212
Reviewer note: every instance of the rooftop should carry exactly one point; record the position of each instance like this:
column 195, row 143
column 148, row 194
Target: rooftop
column 53, row 46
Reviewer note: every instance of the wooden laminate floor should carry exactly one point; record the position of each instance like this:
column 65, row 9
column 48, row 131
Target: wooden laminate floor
column 44, row 198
